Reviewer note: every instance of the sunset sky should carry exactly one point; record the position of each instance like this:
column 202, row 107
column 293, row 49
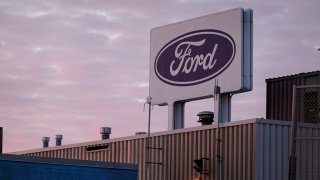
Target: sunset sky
column 70, row 67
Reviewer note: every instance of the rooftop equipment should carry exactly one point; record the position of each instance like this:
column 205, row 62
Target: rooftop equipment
column 205, row 117
column 105, row 132
column 45, row 141
column 58, row 139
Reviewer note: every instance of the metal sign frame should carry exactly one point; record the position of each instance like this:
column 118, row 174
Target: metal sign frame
column 232, row 78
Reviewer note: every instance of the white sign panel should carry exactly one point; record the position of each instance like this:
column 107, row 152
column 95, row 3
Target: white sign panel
column 187, row 58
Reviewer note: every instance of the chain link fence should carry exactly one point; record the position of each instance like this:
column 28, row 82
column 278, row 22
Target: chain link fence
column 305, row 134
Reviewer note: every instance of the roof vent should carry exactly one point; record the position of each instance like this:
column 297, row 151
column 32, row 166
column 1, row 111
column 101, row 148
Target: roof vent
column 59, row 139
column 105, row 132
column 205, row 117
column 45, row 141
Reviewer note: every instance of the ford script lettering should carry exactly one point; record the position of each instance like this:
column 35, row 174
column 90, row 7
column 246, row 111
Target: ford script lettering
column 195, row 57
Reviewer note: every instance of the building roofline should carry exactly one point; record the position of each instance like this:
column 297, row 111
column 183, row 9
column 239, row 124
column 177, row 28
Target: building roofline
column 67, row 162
column 293, row 76
column 176, row 131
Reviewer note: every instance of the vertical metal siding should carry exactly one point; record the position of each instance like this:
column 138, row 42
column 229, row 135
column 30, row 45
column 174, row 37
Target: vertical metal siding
column 178, row 152
column 252, row 151
column 272, row 151
column 279, row 93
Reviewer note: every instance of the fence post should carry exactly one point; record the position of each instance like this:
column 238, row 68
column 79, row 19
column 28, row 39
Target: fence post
column 292, row 157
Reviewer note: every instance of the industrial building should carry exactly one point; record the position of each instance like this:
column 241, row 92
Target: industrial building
column 249, row 149
column 279, row 93
column 256, row 149
column 296, row 98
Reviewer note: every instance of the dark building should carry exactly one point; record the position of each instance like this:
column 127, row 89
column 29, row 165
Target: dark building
column 1, row 139
column 14, row 167
column 280, row 96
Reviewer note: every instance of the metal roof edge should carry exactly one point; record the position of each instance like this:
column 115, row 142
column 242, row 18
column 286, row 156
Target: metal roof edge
column 272, row 121
column 67, row 162
column 162, row 133
column 293, row 76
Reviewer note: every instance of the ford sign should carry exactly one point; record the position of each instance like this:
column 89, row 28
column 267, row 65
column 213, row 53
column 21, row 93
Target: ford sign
column 195, row 57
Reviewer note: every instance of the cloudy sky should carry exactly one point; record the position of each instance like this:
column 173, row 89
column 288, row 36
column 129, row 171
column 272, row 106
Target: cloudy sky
column 69, row 67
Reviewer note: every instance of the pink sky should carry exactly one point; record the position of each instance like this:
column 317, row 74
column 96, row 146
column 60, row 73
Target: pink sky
column 70, row 67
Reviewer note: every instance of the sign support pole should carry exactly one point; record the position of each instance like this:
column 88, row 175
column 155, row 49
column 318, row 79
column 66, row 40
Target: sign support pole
column 176, row 115
column 225, row 108
column 222, row 107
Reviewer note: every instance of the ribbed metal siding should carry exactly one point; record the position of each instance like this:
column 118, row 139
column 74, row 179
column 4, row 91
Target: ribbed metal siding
column 237, row 152
column 279, row 94
column 179, row 151
column 257, row 150
column 272, row 151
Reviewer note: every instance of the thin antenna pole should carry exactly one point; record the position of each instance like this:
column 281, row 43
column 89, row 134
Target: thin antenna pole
column 217, row 100
column 148, row 154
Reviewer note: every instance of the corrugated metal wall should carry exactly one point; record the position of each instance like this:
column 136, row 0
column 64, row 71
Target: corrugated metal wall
column 279, row 93
column 179, row 149
column 272, row 150
column 252, row 149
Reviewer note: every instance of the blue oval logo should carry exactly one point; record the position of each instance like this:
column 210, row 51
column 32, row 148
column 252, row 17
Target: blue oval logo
column 195, row 57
